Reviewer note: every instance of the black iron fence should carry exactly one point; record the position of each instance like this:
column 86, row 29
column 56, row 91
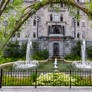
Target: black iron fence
column 41, row 78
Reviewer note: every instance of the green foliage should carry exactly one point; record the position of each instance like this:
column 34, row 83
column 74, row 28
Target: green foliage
column 89, row 52
column 19, row 81
column 40, row 54
column 47, row 79
column 76, row 52
column 72, row 57
column 35, row 45
column 34, row 77
column 55, row 79
column 15, row 5
column 14, row 50
column 7, row 60
column 16, row 81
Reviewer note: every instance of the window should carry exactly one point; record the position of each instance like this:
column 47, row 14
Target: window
column 61, row 18
column 63, row 30
column 83, row 34
column 34, row 22
column 34, row 35
column 78, row 12
column 78, row 35
column 51, row 18
column 56, row 17
column 83, row 23
column 49, row 29
column 73, row 22
column 56, row 30
column 78, row 23
column 61, row 4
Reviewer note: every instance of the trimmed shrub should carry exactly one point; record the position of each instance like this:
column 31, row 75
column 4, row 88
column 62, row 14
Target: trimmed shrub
column 14, row 50
column 89, row 52
column 75, row 52
column 40, row 54
column 55, row 79
column 72, row 57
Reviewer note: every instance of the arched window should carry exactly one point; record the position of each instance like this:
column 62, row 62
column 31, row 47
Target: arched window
column 56, row 30
column 56, row 49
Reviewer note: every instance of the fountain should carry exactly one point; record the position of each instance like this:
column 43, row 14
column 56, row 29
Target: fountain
column 55, row 64
column 29, row 62
column 84, row 64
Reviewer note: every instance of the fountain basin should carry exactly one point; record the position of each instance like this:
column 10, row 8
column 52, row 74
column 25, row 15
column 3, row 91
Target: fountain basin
column 25, row 65
column 81, row 65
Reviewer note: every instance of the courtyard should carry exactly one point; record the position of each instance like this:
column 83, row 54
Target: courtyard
column 45, row 45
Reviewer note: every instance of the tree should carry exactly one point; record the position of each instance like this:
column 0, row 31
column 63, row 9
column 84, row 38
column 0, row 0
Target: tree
column 32, row 9
column 10, row 11
column 8, row 18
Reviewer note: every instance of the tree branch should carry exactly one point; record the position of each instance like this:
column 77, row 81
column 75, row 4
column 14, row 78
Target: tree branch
column 4, row 7
column 1, row 4
column 36, row 6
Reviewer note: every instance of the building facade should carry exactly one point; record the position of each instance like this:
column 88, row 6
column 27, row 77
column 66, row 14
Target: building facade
column 56, row 31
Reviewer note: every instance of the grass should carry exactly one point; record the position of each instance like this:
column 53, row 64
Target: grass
column 49, row 66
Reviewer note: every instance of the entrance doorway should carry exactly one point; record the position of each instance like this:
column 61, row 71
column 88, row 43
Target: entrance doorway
column 55, row 49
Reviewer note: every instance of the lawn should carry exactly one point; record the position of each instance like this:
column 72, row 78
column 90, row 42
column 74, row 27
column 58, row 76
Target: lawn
column 49, row 66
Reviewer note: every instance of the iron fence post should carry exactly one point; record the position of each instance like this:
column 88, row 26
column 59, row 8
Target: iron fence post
column 1, row 74
column 70, row 78
column 36, row 78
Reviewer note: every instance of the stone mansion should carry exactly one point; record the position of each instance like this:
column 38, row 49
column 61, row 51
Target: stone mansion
column 56, row 31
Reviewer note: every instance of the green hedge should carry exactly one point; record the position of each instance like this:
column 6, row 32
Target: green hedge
column 40, row 55
column 14, row 50
column 76, row 52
